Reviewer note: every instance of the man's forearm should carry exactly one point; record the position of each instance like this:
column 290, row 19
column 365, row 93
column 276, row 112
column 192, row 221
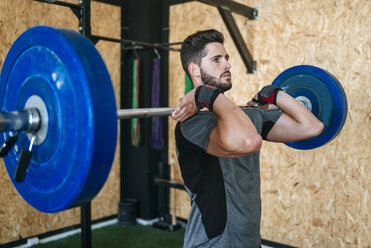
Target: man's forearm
column 306, row 122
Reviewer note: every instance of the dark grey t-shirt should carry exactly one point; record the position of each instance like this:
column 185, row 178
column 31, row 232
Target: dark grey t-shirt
column 224, row 192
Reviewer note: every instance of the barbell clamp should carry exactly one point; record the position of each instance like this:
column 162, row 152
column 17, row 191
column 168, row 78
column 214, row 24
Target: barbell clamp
column 23, row 162
column 8, row 144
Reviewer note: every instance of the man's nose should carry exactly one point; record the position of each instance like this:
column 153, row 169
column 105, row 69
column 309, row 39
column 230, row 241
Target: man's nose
column 227, row 65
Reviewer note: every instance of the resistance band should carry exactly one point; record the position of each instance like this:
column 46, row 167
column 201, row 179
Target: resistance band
column 156, row 130
column 135, row 125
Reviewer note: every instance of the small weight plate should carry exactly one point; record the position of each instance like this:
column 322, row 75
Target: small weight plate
column 62, row 70
column 329, row 102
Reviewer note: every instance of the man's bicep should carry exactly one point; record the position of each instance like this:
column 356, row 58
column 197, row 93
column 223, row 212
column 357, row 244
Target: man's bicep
column 214, row 148
column 284, row 130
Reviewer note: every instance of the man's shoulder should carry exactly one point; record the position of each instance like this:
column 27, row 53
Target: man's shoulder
column 200, row 120
column 197, row 128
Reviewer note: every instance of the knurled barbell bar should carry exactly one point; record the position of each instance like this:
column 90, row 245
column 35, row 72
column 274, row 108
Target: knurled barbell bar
column 59, row 119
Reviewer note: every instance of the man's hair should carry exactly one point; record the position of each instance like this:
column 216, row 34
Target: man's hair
column 193, row 47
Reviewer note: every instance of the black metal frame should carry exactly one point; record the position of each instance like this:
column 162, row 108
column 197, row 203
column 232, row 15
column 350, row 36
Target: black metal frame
column 85, row 215
column 81, row 11
column 135, row 44
column 238, row 40
column 225, row 8
column 231, row 6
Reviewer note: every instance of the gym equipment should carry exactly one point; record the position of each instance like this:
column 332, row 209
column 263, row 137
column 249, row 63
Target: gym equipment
column 59, row 119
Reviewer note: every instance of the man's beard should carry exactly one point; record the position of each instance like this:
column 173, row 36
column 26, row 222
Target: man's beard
column 216, row 82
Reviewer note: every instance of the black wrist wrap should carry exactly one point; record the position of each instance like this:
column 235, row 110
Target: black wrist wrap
column 267, row 95
column 274, row 95
column 205, row 96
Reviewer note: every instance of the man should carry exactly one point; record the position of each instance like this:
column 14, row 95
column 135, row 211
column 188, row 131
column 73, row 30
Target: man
column 218, row 150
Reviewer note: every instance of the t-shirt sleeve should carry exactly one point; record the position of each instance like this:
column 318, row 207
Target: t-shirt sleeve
column 197, row 129
column 270, row 118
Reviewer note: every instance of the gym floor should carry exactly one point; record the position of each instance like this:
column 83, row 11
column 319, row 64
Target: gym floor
column 110, row 233
column 116, row 236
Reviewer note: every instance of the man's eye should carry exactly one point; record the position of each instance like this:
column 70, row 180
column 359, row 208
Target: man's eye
column 215, row 60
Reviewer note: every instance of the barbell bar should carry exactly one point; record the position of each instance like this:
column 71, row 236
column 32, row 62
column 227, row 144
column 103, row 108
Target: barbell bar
column 167, row 111
column 29, row 120
column 57, row 100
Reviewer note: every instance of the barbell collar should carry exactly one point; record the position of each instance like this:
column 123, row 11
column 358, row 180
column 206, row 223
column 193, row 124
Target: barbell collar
column 27, row 120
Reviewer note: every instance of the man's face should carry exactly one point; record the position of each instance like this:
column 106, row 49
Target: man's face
column 215, row 67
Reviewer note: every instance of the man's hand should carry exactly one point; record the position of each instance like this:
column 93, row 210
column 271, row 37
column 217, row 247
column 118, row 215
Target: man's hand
column 186, row 108
column 268, row 94
column 254, row 104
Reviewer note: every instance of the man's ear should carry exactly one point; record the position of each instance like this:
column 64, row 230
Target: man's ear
column 194, row 70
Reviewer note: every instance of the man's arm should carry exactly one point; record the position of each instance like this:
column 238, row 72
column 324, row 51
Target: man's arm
column 296, row 122
column 235, row 135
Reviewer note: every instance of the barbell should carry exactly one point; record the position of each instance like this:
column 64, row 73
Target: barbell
column 58, row 119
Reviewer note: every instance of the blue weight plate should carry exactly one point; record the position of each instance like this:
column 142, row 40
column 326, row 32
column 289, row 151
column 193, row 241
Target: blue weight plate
column 329, row 102
column 64, row 71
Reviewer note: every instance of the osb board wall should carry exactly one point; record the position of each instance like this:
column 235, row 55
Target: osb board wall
column 17, row 218
column 315, row 198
